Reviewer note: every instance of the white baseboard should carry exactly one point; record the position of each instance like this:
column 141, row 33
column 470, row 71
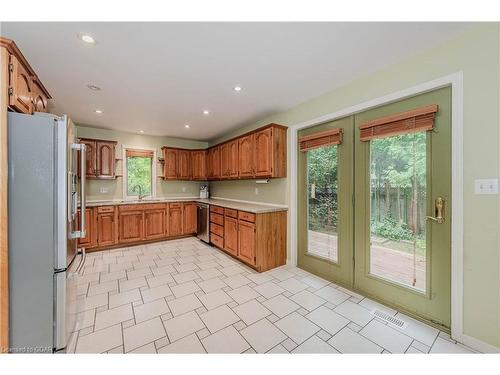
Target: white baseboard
column 478, row 345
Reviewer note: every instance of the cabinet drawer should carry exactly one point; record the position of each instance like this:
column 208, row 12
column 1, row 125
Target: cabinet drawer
column 217, row 240
column 246, row 216
column 130, row 207
column 217, row 210
column 217, row 229
column 216, row 218
column 175, row 205
column 154, row 206
column 103, row 209
column 231, row 213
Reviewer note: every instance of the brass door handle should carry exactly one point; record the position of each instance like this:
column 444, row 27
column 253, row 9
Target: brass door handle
column 438, row 211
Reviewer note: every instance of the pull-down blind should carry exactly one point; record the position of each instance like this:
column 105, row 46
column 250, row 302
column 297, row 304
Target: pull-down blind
column 139, row 153
column 321, row 139
column 419, row 119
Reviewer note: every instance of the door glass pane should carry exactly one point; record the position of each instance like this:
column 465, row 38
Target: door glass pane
column 398, row 206
column 322, row 210
column 139, row 175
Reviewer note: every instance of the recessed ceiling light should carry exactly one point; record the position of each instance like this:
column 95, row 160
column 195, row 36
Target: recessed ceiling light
column 237, row 88
column 141, row 131
column 87, row 39
column 206, row 112
column 94, row 87
column 187, row 126
column 98, row 111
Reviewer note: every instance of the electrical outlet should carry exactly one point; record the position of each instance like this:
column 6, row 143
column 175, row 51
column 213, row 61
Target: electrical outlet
column 486, row 186
column 256, row 191
column 183, row 189
column 104, row 190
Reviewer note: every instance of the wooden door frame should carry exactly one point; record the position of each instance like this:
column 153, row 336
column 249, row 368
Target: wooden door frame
column 455, row 81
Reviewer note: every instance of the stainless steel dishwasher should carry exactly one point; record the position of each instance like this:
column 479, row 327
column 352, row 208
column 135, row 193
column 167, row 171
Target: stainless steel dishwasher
column 202, row 231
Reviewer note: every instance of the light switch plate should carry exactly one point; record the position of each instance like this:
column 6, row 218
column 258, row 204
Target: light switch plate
column 486, row 186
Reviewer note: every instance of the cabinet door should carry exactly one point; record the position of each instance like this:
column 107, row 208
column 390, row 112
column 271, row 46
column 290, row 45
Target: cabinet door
column 171, row 159
column 90, row 157
column 245, row 156
column 203, row 165
column 184, row 165
column 231, row 235
column 246, row 242
column 263, row 155
column 224, row 160
column 105, row 160
column 130, row 226
column 154, row 224
column 216, row 163
column 39, row 99
column 20, row 86
column 198, row 161
column 175, row 219
column 189, row 218
column 233, row 159
column 106, row 229
column 89, row 240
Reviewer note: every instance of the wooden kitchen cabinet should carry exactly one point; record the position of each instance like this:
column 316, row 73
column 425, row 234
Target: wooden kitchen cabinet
column 175, row 219
column 199, row 165
column 131, row 224
column 215, row 163
column 106, row 226
column 100, row 159
column 270, row 152
column 26, row 92
column 229, row 160
column 171, row 156
column 231, row 235
column 154, row 221
column 246, row 242
column 224, row 160
column 89, row 240
column 105, row 159
column 245, row 156
column 184, row 165
column 189, row 218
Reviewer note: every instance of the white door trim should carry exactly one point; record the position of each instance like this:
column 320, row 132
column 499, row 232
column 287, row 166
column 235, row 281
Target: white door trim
column 454, row 80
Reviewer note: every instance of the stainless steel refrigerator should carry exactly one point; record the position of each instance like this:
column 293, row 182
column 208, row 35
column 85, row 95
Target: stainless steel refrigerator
column 43, row 234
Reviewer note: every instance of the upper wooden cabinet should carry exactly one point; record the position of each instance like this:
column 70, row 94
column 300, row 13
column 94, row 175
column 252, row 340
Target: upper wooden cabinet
column 258, row 154
column 26, row 92
column 184, row 165
column 199, row 165
column 171, row 157
column 245, row 156
column 100, row 159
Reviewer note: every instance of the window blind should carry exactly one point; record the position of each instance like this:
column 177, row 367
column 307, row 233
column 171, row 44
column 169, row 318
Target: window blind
column 419, row 119
column 321, row 139
column 139, row 153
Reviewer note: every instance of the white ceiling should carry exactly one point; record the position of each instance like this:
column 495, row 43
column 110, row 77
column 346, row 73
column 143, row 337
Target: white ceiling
column 159, row 76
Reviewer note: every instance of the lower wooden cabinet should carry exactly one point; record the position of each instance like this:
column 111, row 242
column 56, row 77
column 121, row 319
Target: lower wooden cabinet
column 259, row 240
column 189, row 218
column 130, row 226
column 90, row 239
column 175, row 219
column 106, row 228
column 246, row 242
column 231, row 235
column 154, row 223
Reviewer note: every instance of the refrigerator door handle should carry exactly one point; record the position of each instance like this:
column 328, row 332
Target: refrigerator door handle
column 83, row 203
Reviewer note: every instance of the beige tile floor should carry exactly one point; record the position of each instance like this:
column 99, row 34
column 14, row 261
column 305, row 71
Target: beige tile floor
column 184, row 296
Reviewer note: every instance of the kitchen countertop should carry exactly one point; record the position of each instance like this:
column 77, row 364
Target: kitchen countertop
column 236, row 205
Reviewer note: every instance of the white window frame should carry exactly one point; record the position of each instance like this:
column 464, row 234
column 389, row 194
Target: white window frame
column 125, row 171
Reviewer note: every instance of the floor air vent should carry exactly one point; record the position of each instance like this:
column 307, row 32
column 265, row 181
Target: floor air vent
column 389, row 319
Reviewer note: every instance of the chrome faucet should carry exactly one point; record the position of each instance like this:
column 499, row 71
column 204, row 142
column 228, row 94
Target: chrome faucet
column 140, row 191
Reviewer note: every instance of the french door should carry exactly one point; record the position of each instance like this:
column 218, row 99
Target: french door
column 374, row 210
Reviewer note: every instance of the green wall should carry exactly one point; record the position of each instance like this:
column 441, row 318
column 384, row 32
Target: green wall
column 164, row 188
column 477, row 54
